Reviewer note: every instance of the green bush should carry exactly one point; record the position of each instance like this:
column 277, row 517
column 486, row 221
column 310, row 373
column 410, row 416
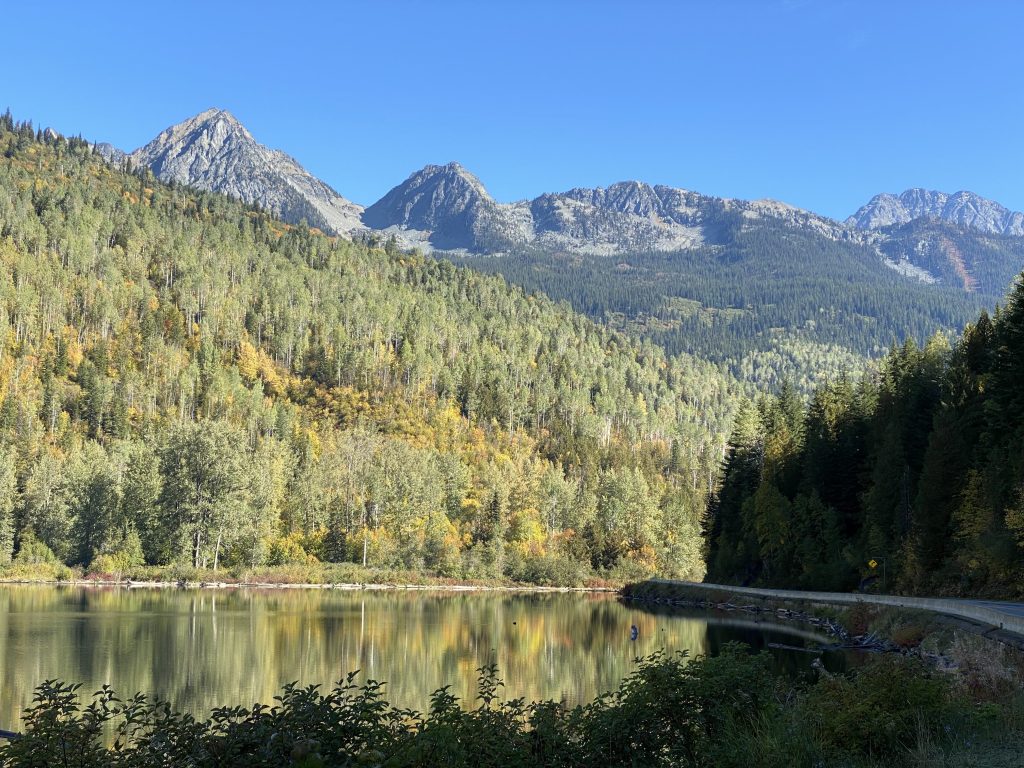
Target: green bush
column 121, row 561
column 880, row 710
column 726, row 711
column 551, row 571
column 32, row 551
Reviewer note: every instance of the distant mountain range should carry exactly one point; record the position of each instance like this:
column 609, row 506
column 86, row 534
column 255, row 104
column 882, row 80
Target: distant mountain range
column 924, row 235
column 765, row 288
column 447, row 208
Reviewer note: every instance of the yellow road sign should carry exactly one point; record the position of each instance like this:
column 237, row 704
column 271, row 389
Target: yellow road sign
column 872, row 564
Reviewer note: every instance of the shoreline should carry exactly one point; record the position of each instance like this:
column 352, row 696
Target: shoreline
column 344, row 586
column 834, row 619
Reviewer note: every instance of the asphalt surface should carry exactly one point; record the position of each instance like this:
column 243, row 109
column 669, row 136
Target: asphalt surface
column 1011, row 609
column 1010, row 612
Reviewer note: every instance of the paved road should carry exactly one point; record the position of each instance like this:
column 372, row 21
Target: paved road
column 1011, row 609
column 998, row 615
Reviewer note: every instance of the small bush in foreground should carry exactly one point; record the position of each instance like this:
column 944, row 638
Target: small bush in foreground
column 879, row 710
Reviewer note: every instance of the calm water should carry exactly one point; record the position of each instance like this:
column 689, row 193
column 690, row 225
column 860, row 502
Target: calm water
column 201, row 648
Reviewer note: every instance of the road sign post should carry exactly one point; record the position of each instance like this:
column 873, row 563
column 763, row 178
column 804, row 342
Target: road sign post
column 873, row 564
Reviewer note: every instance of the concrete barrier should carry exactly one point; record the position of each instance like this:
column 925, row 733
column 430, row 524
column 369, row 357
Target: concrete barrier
column 964, row 609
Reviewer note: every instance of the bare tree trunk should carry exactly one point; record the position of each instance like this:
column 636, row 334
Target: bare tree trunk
column 216, row 550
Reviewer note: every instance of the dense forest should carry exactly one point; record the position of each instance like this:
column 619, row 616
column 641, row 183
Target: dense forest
column 773, row 302
column 918, row 466
column 184, row 379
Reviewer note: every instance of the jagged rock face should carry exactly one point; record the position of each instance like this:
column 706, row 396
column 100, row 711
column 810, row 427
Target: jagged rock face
column 627, row 216
column 447, row 208
column 213, row 151
column 965, row 209
column 110, row 153
column 446, row 201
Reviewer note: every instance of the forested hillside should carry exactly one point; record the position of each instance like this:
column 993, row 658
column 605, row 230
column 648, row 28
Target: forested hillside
column 919, row 466
column 184, row 379
column 774, row 301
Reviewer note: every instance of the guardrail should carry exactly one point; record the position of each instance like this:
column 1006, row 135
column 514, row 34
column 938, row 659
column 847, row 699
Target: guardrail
column 960, row 608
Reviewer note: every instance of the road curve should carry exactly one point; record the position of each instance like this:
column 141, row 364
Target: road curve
column 1006, row 616
column 1010, row 609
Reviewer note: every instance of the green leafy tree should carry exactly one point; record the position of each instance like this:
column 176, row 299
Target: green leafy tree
column 204, row 490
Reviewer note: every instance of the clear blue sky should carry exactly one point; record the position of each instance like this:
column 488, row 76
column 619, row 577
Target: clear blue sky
column 817, row 103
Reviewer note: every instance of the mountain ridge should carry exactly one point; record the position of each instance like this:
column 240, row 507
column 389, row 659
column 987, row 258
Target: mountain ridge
column 925, row 236
column 963, row 208
column 624, row 217
column 446, row 207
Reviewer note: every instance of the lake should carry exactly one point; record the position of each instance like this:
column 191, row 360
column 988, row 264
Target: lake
column 202, row 648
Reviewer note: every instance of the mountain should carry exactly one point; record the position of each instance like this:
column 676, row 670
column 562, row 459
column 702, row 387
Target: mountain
column 444, row 205
column 925, row 236
column 332, row 400
column 940, row 252
column 448, row 208
column 214, row 152
column 960, row 240
column 965, row 209
column 765, row 287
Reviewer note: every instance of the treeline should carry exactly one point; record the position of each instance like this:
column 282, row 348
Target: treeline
column 184, row 379
column 919, row 467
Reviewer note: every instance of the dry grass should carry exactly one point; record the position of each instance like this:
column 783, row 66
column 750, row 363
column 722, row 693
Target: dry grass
column 987, row 670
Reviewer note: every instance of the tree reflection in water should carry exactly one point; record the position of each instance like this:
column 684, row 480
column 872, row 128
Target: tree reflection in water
column 203, row 648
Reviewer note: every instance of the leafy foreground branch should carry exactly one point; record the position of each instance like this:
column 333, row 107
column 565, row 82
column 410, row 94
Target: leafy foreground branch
column 727, row 710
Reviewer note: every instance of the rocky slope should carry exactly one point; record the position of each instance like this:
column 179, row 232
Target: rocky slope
column 213, row 151
column 110, row 153
column 936, row 251
column 444, row 206
column 959, row 240
column 448, row 208
column 964, row 209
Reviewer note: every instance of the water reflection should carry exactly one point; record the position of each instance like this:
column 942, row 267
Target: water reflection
column 200, row 649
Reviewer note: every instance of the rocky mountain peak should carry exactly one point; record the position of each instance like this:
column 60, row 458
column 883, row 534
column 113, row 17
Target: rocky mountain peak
column 109, row 153
column 964, row 209
column 630, row 197
column 447, row 207
column 446, row 201
column 451, row 178
column 215, row 152
column 194, row 151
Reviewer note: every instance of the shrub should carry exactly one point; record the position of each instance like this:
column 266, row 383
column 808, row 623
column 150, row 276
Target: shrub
column 879, row 710
column 289, row 550
column 908, row 636
column 726, row 711
column 858, row 618
column 34, row 552
column 120, row 561
column 551, row 570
